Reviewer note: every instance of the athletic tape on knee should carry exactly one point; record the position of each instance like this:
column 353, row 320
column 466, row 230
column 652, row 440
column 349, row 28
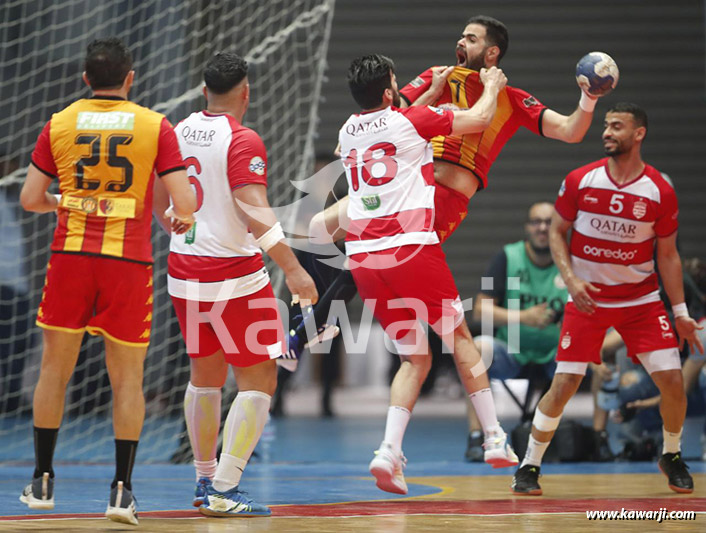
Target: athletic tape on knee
column 545, row 423
column 667, row 359
column 571, row 367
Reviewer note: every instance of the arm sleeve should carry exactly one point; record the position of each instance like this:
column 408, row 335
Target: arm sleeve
column 41, row 156
column 567, row 200
column 429, row 121
column 168, row 153
column 527, row 109
column 247, row 159
column 498, row 271
column 668, row 212
column 417, row 87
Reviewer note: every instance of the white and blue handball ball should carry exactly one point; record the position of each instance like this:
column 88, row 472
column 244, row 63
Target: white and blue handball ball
column 597, row 73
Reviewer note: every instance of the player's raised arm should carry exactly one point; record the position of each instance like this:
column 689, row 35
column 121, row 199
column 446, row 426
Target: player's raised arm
column 481, row 114
column 251, row 201
column 596, row 74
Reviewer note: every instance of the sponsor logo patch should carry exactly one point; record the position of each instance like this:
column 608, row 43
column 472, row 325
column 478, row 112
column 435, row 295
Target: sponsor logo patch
column 417, row 82
column 257, row 166
column 562, row 189
column 530, row 101
column 619, row 254
column 111, row 120
column 371, row 203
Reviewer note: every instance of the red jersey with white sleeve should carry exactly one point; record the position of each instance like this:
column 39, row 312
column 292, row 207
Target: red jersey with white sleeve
column 615, row 229
column 219, row 258
column 390, row 171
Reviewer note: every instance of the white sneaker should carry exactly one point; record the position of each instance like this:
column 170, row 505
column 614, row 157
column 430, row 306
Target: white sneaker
column 498, row 452
column 387, row 467
column 121, row 507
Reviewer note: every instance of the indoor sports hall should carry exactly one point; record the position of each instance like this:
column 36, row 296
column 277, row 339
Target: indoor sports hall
column 311, row 464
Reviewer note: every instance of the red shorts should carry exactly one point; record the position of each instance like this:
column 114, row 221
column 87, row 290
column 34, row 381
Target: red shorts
column 644, row 328
column 420, row 273
column 248, row 329
column 98, row 294
column 450, row 208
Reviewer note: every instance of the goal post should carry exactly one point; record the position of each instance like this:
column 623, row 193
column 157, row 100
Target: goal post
column 42, row 45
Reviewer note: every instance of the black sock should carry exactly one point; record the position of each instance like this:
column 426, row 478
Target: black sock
column 125, row 451
column 44, row 444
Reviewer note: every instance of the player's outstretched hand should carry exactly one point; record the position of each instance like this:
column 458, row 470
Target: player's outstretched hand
column 493, row 77
column 538, row 316
column 302, row 287
column 686, row 329
column 580, row 293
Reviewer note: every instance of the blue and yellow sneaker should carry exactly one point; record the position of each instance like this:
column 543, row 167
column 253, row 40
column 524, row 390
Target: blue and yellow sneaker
column 200, row 493
column 232, row 502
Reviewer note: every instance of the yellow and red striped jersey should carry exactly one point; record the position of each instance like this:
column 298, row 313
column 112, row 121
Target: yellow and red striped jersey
column 105, row 151
column 477, row 151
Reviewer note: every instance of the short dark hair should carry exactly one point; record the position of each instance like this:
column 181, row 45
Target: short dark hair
column 495, row 32
column 368, row 77
column 224, row 71
column 108, row 62
column 639, row 115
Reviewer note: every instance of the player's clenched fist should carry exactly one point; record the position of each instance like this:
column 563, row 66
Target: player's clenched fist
column 493, row 76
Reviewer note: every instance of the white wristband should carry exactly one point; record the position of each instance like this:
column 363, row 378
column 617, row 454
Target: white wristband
column 680, row 310
column 58, row 201
column 587, row 103
column 271, row 237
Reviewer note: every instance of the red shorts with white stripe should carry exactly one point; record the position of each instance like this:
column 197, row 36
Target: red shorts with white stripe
column 419, row 278
column 450, row 208
column 644, row 328
column 98, row 294
column 247, row 329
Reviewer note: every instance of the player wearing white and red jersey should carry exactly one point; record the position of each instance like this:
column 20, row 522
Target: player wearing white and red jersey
column 221, row 290
column 620, row 211
column 614, row 230
column 395, row 256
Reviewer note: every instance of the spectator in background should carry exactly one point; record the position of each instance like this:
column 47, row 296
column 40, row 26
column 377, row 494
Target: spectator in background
column 539, row 300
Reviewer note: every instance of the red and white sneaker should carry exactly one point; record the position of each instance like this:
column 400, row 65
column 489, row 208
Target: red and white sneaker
column 387, row 467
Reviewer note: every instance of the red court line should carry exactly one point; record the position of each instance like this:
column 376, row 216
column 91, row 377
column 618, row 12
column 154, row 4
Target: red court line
column 520, row 505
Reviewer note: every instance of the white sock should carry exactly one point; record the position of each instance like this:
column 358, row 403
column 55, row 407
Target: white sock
column 205, row 469
column 202, row 411
column 396, row 425
column 535, row 452
column 672, row 441
column 484, row 405
column 246, row 420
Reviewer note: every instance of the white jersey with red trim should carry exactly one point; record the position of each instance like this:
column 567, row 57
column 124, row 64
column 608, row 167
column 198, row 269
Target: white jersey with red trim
column 390, row 171
column 219, row 258
column 615, row 229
